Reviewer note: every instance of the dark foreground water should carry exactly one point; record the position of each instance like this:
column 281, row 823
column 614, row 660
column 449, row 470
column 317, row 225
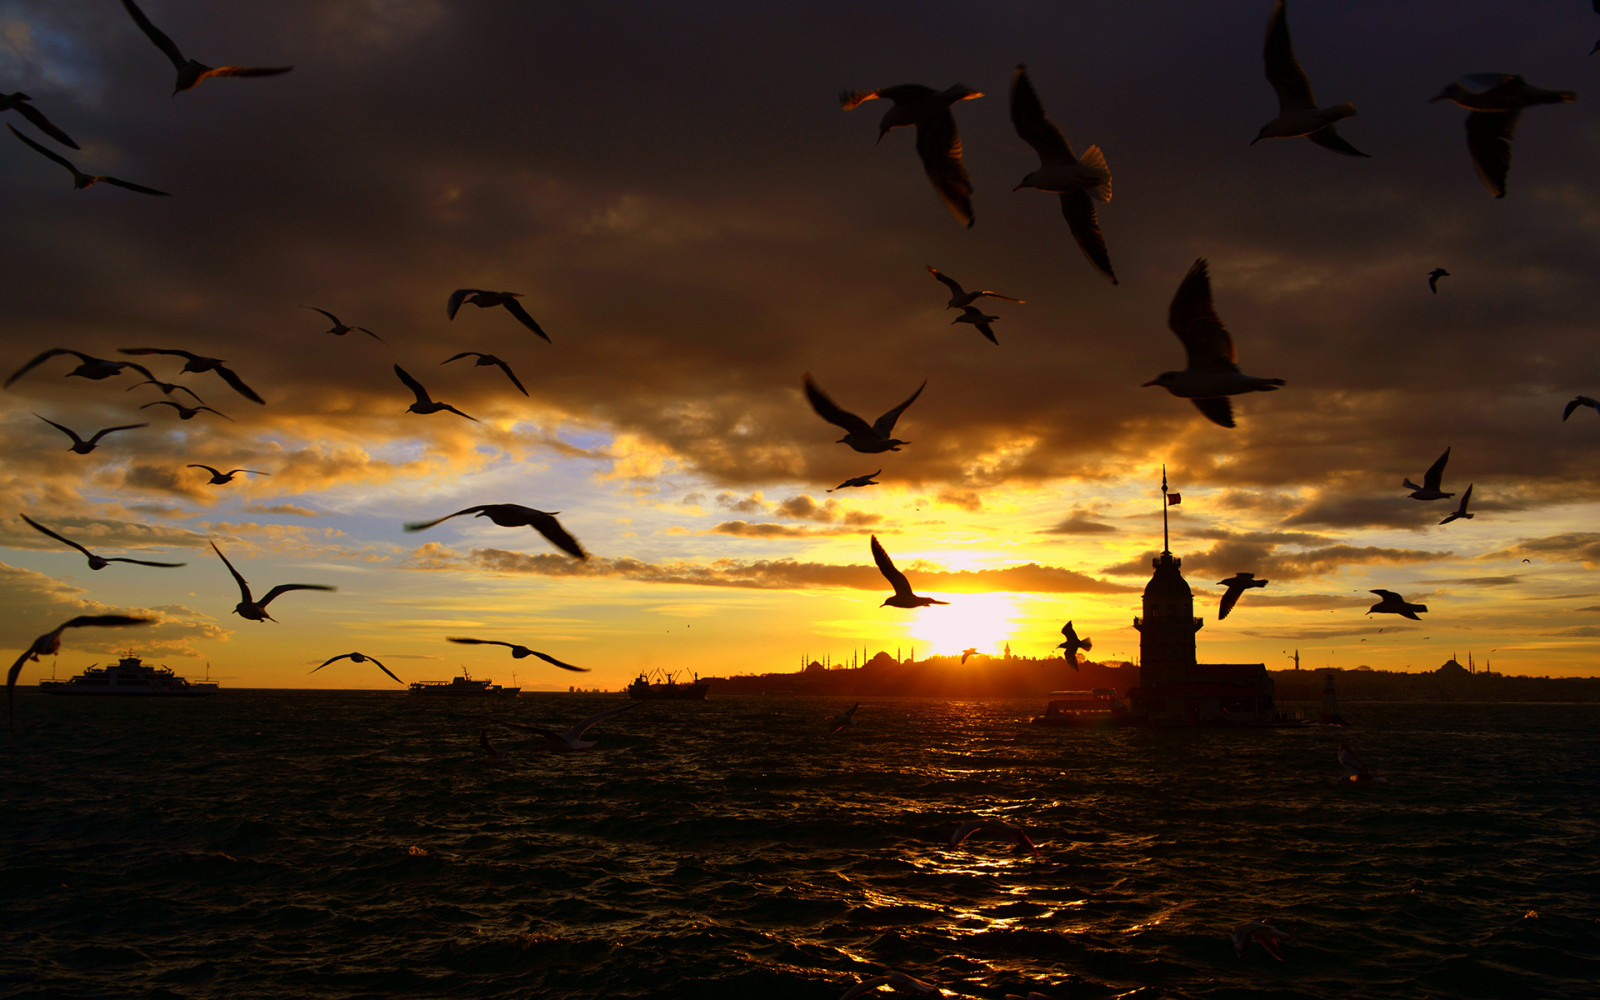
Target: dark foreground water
column 265, row 844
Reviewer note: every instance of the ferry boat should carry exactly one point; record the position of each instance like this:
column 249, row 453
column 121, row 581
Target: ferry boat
column 1100, row 708
column 130, row 676
column 668, row 690
column 463, row 687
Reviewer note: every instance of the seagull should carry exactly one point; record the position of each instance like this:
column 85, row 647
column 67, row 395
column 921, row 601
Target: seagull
column 1265, row 935
column 572, row 740
column 494, row 754
column 1237, row 584
column 81, row 446
column 340, row 329
column 1298, row 113
column 866, row 480
column 196, row 363
column 256, row 611
column 1392, row 603
column 1461, row 508
column 843, row 719
column 898, row 982
column 1073, row 644
column 512, row 515
column 937, row 142
column 425, row 403
column 218, row 478
column 189, row 71
column 1073, row 179
column 975, row 316
column 81, row 180
column 1578, row 401
column 969, row 651
column 95, row 562
column 485, row 360
column 861, row 437
column 518, row 652
column 903, row 597
column 185, row 412
column 1429, row 490
column 354, row 658
column 999, row 826
column 89, row 367
column 1493, row 119
column 17, row 101
column 960, row 298
column 1433, row 278
column 488, row 300
column 50, row 644
column 1358, row 772
column 1213, row 372
column 167, row 388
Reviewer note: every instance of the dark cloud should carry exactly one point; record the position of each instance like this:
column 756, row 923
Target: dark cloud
column 1079, row 523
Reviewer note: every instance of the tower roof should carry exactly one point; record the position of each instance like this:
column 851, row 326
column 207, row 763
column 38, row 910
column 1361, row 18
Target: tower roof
column 1167, row 583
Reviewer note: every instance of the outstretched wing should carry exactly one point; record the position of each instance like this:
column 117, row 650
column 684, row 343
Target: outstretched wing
column 896, row 579
column 1078, row 209
column 830, row 411
column 576, row 732
column 52, row 352
column 456, row 298
column 385, row 669
column 1193, row 318
column 284, row 587
column 331, row 659
column 419, row 525
column 155, row 35
column 1435, row 474
column 1284, row 71
column 68, row 431
column 555, row 534
column 939, row 147
column 47, row 152
column 478, row 642
column 884, row 425
column 244, row 588
column 134, row 187
column 229, row 377
column 412, row 384
column 1489, row 141
column 125, row 427
column 515, row 308
column 510, row 375
column 145, row 562
column 1032, row 125
column 43, row 124
column 946, row 280
column 556, row 662
column 1327, row 138
column 60, row 538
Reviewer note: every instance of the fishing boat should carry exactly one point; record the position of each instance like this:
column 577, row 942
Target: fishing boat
column 643, row 689
column 463, row 687
column 130, row 676
column 1100, row 708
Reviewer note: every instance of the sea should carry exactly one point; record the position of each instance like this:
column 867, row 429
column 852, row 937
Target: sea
column 266, row 844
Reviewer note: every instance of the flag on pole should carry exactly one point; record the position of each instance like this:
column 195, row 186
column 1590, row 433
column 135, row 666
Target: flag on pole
column 1174, row 498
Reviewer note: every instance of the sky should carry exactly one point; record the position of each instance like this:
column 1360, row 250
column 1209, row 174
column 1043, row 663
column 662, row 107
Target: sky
column 695, row 222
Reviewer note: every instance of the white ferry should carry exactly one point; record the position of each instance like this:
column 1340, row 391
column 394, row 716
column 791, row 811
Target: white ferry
column 130, row 676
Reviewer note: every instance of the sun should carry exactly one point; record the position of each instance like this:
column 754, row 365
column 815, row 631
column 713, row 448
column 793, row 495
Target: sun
column 984, row 622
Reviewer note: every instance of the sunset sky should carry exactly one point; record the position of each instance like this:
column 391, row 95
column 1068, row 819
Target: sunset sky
column 696, row 223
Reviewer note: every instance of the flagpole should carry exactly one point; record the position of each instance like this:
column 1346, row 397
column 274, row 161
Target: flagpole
column 1166, row 546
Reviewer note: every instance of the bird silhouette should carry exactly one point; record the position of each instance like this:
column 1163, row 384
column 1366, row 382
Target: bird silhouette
column 485, row 360
column 424, row 403
column 1062, row 172
column 1393, row 604
column 80, row 445
column 1578, row 401
column 488, row 300
column 196, row 363
column 572, row 740
column 1356, row 769
column 191, row 72
column 1461, row 507
column 89, row 367
column 355, row 658
column 81, row 180
column 18, row 102
column 975, row 316
column 339, row 328
column 218, row 477
column 167, row 388
column 1429, row 490
column 902, row 597
column 1493, row 119
column 996, row 826
column 1265, row 935
column 843, row 719
column 1073, row 644
column 960, row 298
column 1298, row 113
column 938, row 144
column 512, row 515
column 864, row 438
column 185, row 412
column 866, row 480
column 1433, row 278
column 50, row 643
column 254, row 610
column 518, row 652
column 1237, row 584
column 95, row 562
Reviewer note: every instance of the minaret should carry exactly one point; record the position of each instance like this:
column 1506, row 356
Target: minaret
column 1167, row 627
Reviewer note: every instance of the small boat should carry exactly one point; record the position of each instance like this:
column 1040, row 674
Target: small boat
column 130, row 676
column 1100, row 708
column 642, row 689
column 463, row 687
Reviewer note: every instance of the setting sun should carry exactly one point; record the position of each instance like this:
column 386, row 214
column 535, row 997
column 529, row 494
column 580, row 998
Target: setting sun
column 985, row 622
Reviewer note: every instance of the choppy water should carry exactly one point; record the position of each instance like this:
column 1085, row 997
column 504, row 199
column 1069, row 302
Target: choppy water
column 266, row 844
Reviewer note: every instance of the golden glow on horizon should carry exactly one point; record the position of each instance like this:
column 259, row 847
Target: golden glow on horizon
column 984, row 622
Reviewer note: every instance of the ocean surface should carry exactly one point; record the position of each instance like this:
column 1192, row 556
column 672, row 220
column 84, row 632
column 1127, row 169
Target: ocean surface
column 359, row 845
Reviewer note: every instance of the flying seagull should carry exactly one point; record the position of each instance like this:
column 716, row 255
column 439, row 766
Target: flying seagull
column 1237, row 584
column 1073, row 179
column 185, row 412
column 195, row 363
column 81, row 180
column 969, row 651
column 1433, row 278
column 50, row 643
column 975, row 316
column 1578, row 401
column 191, row 72
column 488, row 300
column 492, row 753
column 89, row 367
column 81, row 446
column 1213, row 372
column 95, row 562
column 512, row 515
column 339, row 328
column 1298, row 113
column 1265, row 935
column 424, row 403
column 938, row 145
column 843, row 719
column 1493, row 119
column 960, row 298
column 17, row 101
column 903, row 597
column 254, row 610
column 998, row 826
column 485, row 360
column 1461, row 507
column 572, row 740
column 218, row 477
column 1073, row 644
column 1429, row 490
column 357, row 658
column 1356, row 769
column 1392, row 603
column 861, row 437
column 167, row 388
column 518, row 652
column 866, row 480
